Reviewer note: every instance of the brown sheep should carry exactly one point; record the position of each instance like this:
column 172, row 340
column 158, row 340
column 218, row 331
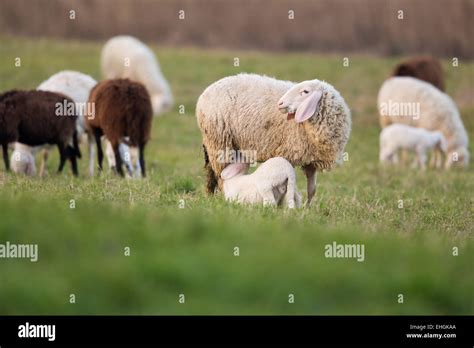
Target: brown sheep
column 122, row 110
column 37, row 118
column 425, row 68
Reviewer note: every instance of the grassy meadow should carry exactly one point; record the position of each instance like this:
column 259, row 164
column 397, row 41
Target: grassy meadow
column 176, row 249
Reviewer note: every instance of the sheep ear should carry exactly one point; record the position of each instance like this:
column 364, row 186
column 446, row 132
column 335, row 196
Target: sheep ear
column 233, row 169
column 308, row 107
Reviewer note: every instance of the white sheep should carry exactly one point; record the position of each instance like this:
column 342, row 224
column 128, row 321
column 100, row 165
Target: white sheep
column 399, row 136
column 308, row 123
column 128, row 57
column 416, row 103
column 23, row 160
column 272, row 183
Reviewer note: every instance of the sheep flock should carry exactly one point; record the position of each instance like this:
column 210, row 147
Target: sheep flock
column 280, row 124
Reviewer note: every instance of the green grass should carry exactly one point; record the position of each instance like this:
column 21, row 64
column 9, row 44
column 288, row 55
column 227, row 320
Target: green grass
column 190, row 251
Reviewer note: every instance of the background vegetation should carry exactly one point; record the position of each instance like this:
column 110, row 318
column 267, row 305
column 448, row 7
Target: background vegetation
column 438, row 27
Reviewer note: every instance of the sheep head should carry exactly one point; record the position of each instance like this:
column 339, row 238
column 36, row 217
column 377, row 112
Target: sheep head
column 234, row 169
column 301, row 101
column 459, row 157
column 161, row 103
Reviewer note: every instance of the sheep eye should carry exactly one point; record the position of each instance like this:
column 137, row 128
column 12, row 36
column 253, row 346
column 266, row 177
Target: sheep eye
column 305, row 91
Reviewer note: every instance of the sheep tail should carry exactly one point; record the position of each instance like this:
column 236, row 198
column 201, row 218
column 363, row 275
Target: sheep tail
column 5, row 156
column 75, row 144
column 291, row 191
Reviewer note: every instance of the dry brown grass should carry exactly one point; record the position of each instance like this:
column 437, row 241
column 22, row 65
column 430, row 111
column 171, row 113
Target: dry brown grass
column 437, row 27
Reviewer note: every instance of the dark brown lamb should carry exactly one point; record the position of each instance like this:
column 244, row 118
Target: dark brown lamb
column 122, row 109
column 427, row 68
column 37, row 118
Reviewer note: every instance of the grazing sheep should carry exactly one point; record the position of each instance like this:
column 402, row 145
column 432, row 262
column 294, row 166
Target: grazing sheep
column 36, row 118
column 127, row 57
column 22, row 160
column 76, row 86
column 270, row 183
column 419, row 140
column 244, row 113
column 122, row 109
column 417, row 103
column 427, row 68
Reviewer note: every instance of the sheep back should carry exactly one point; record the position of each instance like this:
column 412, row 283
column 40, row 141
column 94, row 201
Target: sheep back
column 426, row 68
column 75, row 85
column 122, row 109
column 240, row 112
column 30, row 117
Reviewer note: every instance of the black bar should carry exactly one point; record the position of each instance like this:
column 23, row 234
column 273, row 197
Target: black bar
column 288, row 330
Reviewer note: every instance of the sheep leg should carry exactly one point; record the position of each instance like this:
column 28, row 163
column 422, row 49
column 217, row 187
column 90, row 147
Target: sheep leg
column 44, row 159
column 73, row 159
column 439, row 159
column 118, row 159
column 135, row 162
column 62, row 157
column 404, row 157
column 126, row 155
column 141, row 155
column 290, row 192
column 449, row 161
column 5, row 156
column 266, row 192
column 211, row 175
column 100, row 153
column 310, row 173
column 110, row 154
column 421, row 156
column 290, row 200
column 90, row 142
column 433, row 159
column 211, row 180
column 393, row 159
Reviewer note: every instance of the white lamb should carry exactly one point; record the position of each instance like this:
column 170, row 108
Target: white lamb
column 399, row 136
column 416, row 103
column 128, row 57
column 273, row 183
column 23, row 160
